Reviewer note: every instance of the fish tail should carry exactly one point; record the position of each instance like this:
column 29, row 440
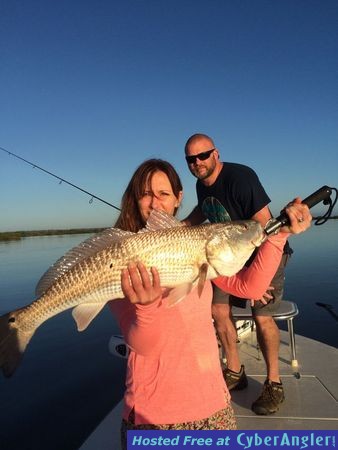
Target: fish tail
column 13, row 342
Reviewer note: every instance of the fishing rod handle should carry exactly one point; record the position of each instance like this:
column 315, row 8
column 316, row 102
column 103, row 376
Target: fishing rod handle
column 320, row 195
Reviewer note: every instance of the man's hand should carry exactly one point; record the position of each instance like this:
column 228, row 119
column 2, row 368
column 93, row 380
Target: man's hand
column 266, row 297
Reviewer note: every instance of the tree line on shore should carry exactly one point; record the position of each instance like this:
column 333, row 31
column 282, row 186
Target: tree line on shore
column 16, row 235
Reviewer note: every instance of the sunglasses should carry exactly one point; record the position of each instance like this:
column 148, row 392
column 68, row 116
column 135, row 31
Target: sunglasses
column 201, row 156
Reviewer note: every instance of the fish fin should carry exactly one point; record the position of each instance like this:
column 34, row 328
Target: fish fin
column 178, row 293
column 13, row 343
column 84, row 313
column 202, row 278
column 87, row 248
column 160, row 220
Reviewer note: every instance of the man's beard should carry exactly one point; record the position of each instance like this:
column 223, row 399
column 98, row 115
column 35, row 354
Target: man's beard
column 205, row 174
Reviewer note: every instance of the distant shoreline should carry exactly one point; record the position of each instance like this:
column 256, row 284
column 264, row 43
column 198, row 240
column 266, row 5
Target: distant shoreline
column 17, row 235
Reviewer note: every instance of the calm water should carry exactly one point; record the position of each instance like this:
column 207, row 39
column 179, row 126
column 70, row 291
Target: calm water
column 68, row 381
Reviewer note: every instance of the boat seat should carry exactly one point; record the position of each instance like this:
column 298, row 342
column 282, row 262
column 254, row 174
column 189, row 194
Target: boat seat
column 286, row 311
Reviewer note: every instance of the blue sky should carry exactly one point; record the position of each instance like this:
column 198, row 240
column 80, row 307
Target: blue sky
column 89, row 89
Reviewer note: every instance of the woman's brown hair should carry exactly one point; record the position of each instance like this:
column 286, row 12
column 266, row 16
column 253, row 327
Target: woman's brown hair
column 130, row 218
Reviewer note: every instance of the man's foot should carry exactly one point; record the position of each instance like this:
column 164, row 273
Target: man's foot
column 270, row 399
column 235, row 380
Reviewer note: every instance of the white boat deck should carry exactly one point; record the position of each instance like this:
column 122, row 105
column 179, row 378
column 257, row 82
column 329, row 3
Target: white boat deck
column 311, row 399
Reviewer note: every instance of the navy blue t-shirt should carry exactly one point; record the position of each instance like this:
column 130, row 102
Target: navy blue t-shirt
column 237, row 194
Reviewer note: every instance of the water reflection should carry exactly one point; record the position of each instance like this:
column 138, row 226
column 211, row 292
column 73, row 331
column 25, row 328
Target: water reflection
column 68, row 381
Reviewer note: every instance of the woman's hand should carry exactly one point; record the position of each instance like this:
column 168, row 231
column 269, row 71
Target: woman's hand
column 299, row 215
column 138, row 286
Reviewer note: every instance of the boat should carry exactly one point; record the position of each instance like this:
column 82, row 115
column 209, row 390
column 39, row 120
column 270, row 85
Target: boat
column 311, row 390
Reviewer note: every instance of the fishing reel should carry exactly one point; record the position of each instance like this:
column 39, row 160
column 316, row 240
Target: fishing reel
column 321, row 195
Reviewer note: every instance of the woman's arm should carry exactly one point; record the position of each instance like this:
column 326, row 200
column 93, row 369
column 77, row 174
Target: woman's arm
column 140, row 313
column 253, row 281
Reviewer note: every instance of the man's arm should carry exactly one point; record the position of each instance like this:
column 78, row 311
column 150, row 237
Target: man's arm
column 262, row 216
column 196, row 217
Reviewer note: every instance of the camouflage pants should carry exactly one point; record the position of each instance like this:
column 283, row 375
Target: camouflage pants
column 221, row 420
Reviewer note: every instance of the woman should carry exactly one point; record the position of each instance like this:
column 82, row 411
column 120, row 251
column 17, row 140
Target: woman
column 174, row 378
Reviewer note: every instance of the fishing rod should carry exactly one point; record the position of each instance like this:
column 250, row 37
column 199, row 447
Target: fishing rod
column 61, row 180
column 329, row 309
column 322, row 194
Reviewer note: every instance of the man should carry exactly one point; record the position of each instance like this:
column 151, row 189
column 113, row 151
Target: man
column 228, row 191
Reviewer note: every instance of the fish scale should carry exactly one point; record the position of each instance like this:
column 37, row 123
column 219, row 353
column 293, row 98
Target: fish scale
column 175, row 255
column 89, row 275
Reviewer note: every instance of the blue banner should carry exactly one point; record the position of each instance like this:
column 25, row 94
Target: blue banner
column 234, row 440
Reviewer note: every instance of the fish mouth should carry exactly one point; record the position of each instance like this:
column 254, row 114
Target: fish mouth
column 257, row 242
